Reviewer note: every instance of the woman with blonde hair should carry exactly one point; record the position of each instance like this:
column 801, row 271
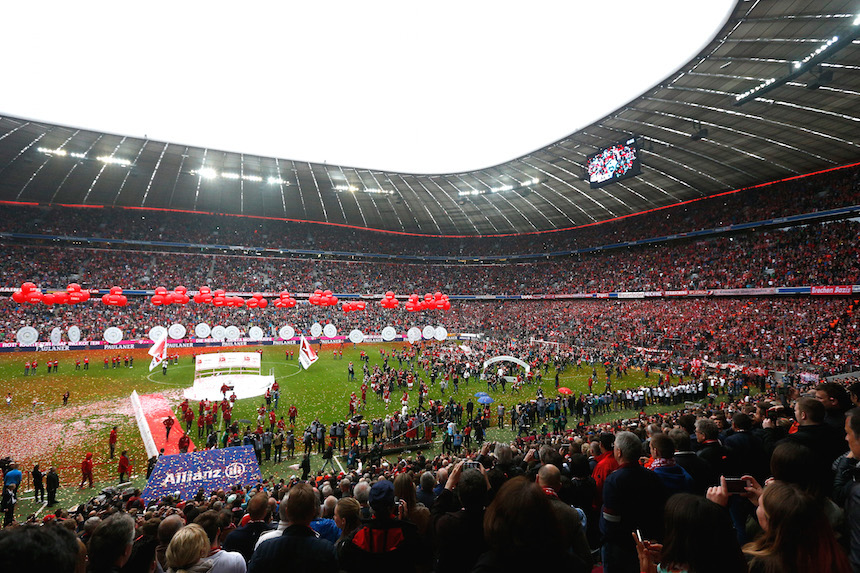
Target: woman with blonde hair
column 187, row 551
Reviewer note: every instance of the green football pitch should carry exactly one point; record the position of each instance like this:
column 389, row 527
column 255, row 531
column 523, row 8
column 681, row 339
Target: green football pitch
column 37, row 428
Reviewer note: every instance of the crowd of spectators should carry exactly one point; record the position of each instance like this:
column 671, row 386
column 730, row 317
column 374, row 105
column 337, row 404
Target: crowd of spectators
column 805, row 195
column 816, row 331
column 761, row 481
column 819, row 254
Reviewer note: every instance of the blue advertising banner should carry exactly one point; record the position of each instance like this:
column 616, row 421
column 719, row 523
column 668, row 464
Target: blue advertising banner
column 209, row 469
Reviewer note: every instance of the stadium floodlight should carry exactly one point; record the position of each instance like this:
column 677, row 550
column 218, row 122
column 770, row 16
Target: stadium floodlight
column 230, row 175
column 206, row 173
column 78, row 155
column 255, row 178
column 798, row 67
column 275, row 181
column 111, row 160
column 48, row 151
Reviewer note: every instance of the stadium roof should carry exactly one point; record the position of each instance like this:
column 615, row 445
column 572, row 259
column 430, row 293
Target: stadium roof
column 803, row 57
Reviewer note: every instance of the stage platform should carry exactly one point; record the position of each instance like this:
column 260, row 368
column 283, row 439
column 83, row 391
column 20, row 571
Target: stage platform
column 244, row 386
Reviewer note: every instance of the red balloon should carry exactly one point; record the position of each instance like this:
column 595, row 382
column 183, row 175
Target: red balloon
column 34, row 296
column 360, row 305
column 219, row 301
column 19, row 296
column 180, row 290
column 252, row 303
column 28, row 287
column 205, row 290
column 48, row 299
column 263, row 303
column 158, row 299
column 61, row 297
column 73, row 287
column 161, row 291
column 116, row 290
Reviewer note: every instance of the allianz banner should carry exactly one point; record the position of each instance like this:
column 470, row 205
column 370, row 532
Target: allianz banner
column 209, row 469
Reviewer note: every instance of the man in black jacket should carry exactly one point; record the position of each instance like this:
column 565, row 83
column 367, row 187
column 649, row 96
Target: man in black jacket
column 52, row 480
column 459, row 520
column 711, row 451
column 385, row 542
column 298, row 548
column 38, row 484
column 245, row 538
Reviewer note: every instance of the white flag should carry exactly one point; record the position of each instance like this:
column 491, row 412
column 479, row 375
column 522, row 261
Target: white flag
column 307, row 356
column 158, row 351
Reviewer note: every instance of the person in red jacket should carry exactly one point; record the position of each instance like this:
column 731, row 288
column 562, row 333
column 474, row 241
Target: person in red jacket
column 168, row 425
column 184, row 443
column 124, row 466
column 87, row 470
column 112, row 441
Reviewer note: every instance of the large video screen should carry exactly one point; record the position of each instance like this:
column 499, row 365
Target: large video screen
column 613, row 163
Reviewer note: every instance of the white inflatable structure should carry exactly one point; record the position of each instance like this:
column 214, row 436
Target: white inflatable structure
column 239, row 371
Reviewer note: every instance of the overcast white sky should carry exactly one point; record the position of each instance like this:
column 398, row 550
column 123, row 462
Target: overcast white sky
column 420, row 87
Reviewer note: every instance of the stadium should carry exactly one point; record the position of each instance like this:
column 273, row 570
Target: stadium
column 638, row 317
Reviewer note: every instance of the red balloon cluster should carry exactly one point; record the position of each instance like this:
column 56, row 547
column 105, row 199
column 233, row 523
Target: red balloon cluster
column 220, row 298
column 351, row 306
column 75, row 294
column 203, row 296
column 163, row 297
column 322, row 298
column 257, row 301
column 438, row 301
column 29, row 293
column 285, row 300
column 388, row 301
column 115, row 297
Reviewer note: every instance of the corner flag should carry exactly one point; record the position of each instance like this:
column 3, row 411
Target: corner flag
column 307, row 356
column 158, row 352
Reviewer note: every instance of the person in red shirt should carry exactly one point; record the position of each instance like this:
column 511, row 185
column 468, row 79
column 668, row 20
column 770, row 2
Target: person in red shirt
column 189, row 418
column 201, row 420
column 86, row 363
column 272, row 420
column 87, row 470
column 124, row 466
column 228, row 415
column 293, row 413
column 606, row 464
column 168, row 425
column 112, row 441
column 184, row 443
column 106, row 362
